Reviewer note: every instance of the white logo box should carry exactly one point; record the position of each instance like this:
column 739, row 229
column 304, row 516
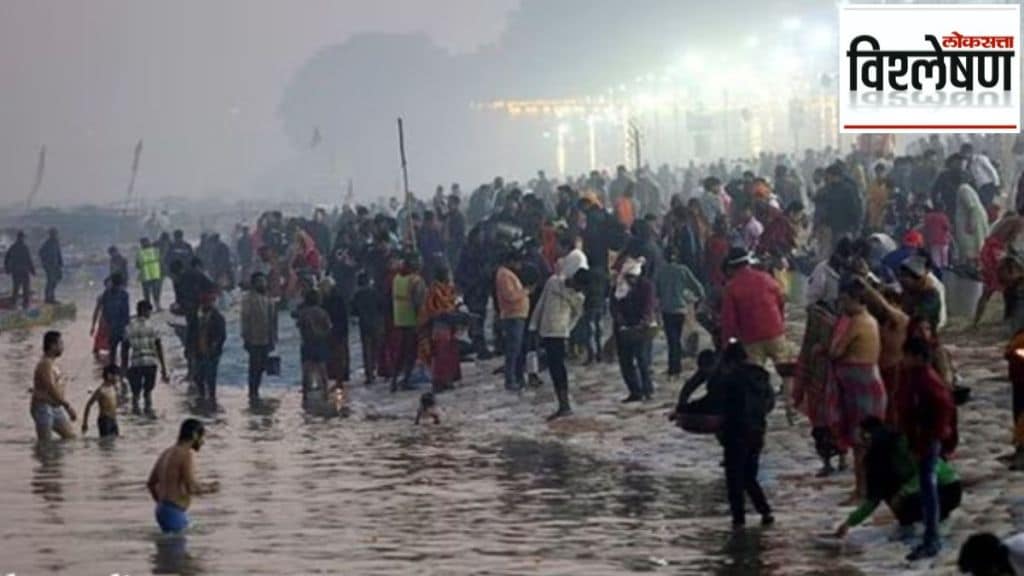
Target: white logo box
column 902, row 28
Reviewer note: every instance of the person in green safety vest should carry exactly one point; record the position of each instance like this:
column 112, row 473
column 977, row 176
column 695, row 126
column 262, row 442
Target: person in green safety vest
column 150, row 272
column 408, row 293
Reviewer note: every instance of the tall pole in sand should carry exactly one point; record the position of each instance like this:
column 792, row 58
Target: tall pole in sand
column 135, row 172
column 405, row 184
column 38, row 183
column 634, row 137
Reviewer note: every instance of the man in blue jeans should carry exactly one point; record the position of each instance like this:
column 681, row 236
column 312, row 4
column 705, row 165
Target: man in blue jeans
column 513, row 311
column 210, row 335
column 633, row 315
column 926, row 414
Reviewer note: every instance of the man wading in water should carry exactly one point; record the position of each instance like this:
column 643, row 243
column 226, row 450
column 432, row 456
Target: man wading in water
column 50, row 409
column 172, row 483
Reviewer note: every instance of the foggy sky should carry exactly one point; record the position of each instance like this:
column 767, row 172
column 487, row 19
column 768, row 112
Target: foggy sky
column 199, row 80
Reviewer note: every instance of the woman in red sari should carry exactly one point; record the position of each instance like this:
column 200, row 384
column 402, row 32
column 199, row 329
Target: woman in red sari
column 387, row 354
column 436, row 321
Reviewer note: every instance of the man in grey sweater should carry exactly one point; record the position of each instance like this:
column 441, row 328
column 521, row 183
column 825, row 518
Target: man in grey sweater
column 259, row 330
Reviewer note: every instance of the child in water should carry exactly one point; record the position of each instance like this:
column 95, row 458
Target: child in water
column 106, row 397
column 428, row 409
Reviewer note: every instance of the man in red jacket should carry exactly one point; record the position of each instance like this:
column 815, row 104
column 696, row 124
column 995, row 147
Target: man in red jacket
column 753, row 312
column 925, row 413
column 752, row 309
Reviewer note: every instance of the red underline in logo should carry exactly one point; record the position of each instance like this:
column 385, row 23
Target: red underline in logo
column 930, row 126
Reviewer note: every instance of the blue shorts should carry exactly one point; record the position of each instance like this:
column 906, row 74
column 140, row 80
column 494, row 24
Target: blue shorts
column 47, row 418
column 172, row 518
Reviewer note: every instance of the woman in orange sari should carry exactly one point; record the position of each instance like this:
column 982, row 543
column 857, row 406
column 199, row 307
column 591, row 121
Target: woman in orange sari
column 437, row 323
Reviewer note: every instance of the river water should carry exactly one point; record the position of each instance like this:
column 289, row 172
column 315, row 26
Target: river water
column 493, row 490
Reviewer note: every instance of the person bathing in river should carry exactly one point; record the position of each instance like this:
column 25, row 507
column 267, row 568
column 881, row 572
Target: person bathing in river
column 106, row 398
column 173, row 483
column 428, row 410
column 49, row 407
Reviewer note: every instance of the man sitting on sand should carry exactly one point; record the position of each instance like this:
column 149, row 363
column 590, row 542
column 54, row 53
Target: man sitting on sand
column 172, row 483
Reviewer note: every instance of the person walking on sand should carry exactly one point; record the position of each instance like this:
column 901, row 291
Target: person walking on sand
column 513, row 301
column 677, row 290
column 753, row 312
column 173, row 482
column 49, row 407
column 926, row 416
column 747, row 398
column 559, row 309
column 633, row 314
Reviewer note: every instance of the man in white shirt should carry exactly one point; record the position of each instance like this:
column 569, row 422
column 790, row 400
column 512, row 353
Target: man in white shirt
column 573, row 259
column 983, row 173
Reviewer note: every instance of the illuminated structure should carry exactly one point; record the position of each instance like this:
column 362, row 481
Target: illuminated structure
column 703, row 106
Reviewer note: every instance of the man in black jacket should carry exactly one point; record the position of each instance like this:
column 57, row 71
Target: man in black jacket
column 210, row 334
column 841, row 204
column 52, row 261
column 18, row 263
column 747, row 397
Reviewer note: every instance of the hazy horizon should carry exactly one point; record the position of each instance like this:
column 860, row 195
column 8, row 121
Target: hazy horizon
column 200, row 82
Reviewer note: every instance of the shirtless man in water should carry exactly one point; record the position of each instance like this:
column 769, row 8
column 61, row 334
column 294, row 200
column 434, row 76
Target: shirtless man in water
column 50, row 409
column 172, row 483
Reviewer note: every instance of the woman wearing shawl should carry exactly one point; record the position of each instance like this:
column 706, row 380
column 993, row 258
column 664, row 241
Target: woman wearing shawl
column 811, row 390
column 970, row 223
column 436, row 323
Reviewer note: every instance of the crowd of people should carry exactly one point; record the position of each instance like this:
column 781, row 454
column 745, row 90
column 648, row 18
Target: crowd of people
column 545, row 265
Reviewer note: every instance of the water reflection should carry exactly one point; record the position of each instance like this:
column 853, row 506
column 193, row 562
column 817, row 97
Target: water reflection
column 489, row 490
column 47, row 476
column 172, row 556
